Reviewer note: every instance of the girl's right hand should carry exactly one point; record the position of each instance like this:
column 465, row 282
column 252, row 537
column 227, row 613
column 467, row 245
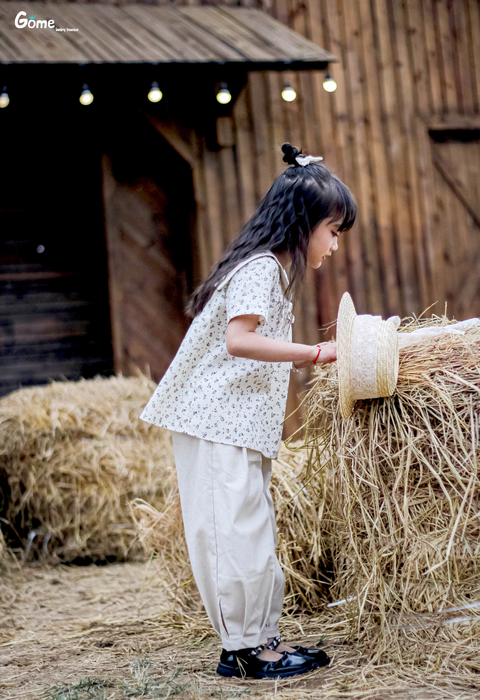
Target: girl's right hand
column 328, row 353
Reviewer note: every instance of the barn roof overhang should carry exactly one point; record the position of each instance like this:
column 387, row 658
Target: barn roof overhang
column 165, row 35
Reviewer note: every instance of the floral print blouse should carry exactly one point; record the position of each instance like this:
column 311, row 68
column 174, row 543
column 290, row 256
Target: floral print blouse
column 210, row 394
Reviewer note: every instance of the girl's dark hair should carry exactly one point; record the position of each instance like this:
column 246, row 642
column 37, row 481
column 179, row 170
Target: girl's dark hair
column 299, row 199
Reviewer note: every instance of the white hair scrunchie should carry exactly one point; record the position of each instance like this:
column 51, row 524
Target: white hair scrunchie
column 305, row 160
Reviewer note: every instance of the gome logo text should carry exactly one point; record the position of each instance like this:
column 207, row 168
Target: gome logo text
column 21, row 22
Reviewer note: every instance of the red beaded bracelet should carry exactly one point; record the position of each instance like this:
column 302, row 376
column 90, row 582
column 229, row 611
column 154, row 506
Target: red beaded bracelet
column 318, row 353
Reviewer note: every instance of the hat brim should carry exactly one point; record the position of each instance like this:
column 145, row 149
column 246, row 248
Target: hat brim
column 345, row 321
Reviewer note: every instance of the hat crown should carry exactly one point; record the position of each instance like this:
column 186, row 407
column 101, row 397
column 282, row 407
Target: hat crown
column 367, row 350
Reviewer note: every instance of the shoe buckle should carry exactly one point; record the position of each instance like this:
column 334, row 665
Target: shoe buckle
column 256, row 650
column 274, row 643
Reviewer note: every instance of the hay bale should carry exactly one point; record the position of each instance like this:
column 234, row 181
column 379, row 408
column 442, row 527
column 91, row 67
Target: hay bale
column 72, row 457
column 401, row 524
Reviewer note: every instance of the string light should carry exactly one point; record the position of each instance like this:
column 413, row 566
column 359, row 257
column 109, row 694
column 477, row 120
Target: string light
column 329, row 84
column 288, row 93
column 86, row 98
column 223, row 94
column 155, row 94
column 4, row 98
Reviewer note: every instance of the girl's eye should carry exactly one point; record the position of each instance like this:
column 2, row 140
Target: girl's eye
column 335, row 234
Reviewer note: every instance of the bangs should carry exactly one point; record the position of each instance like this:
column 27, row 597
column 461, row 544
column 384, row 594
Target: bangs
column 342, row 205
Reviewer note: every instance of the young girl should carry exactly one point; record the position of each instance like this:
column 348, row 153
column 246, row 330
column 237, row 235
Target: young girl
column 224, row 398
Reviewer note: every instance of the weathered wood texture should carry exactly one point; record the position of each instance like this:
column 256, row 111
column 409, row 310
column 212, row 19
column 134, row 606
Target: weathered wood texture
column 54, row 315
column 404, row 67
column 140, row 32
column 408, row 70
column 148, row 222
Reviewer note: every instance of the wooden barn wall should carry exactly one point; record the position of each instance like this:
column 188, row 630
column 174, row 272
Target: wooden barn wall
column 403, row 64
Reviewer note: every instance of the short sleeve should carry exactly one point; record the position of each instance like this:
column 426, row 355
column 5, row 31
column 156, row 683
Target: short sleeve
column 250, row 289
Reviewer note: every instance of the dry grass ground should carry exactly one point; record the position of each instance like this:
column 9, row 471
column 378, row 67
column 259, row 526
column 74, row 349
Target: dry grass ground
column 108, row 633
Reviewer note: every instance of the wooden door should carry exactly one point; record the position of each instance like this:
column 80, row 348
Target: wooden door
column 456, row 160
column 54, row 314
column 149, row 219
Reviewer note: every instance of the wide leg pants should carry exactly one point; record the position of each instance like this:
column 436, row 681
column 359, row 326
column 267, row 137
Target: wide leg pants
column 231, row 536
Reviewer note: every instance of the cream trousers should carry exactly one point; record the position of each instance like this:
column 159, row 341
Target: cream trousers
column 231, row 536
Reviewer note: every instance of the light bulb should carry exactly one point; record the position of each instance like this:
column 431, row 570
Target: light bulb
column 223, row 95
column 4, row 98
column 329, row 84
column 155, row 94
column 288, row 93
column 86, row 98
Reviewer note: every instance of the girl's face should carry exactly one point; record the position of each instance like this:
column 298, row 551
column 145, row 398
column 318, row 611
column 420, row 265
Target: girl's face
column 323, row 241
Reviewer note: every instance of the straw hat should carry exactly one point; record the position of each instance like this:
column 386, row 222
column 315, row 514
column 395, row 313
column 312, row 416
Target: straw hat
column 367, row 355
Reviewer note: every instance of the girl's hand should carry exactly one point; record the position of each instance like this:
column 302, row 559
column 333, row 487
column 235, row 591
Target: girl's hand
column 328, row 353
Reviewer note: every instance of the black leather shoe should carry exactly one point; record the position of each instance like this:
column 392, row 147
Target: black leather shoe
column 317, row 655
column 241, row 663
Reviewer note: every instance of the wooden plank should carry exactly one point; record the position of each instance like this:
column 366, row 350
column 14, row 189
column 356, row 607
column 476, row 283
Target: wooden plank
column 214, row 204
column 361, row 137
column 11, row 50
column 245, row 147
column 183, row 25
column 256, row 82
column 93, row 49
column 276, row 126
column 460, row 154
column 358, row 267
column 310, row 126
column 449, row 173
column 79, row 17
column 29, row 373
column 109, row 188
column 463, row 71
column 41, row 45
column 426, row 203
column 203, row 223
column 332, row 111
column 20, row 276
column 432, row 55
column 184, row 46
column 296, row 47
column 443, row 122
column 121, row 31
column 381, row 215
column 446, row 64
column 132, row 33
column 232, row 220
column 452, row 249
column 405, row 72
column 396, row 164
column 436, row 238
column 306, row 310
column 199, row 232
column 136, row 330
column 418, row 50
column 224, row 130
column 473, row 29
column 239, row 36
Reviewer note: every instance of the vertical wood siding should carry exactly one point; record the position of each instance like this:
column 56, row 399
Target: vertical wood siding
column 402, row 64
